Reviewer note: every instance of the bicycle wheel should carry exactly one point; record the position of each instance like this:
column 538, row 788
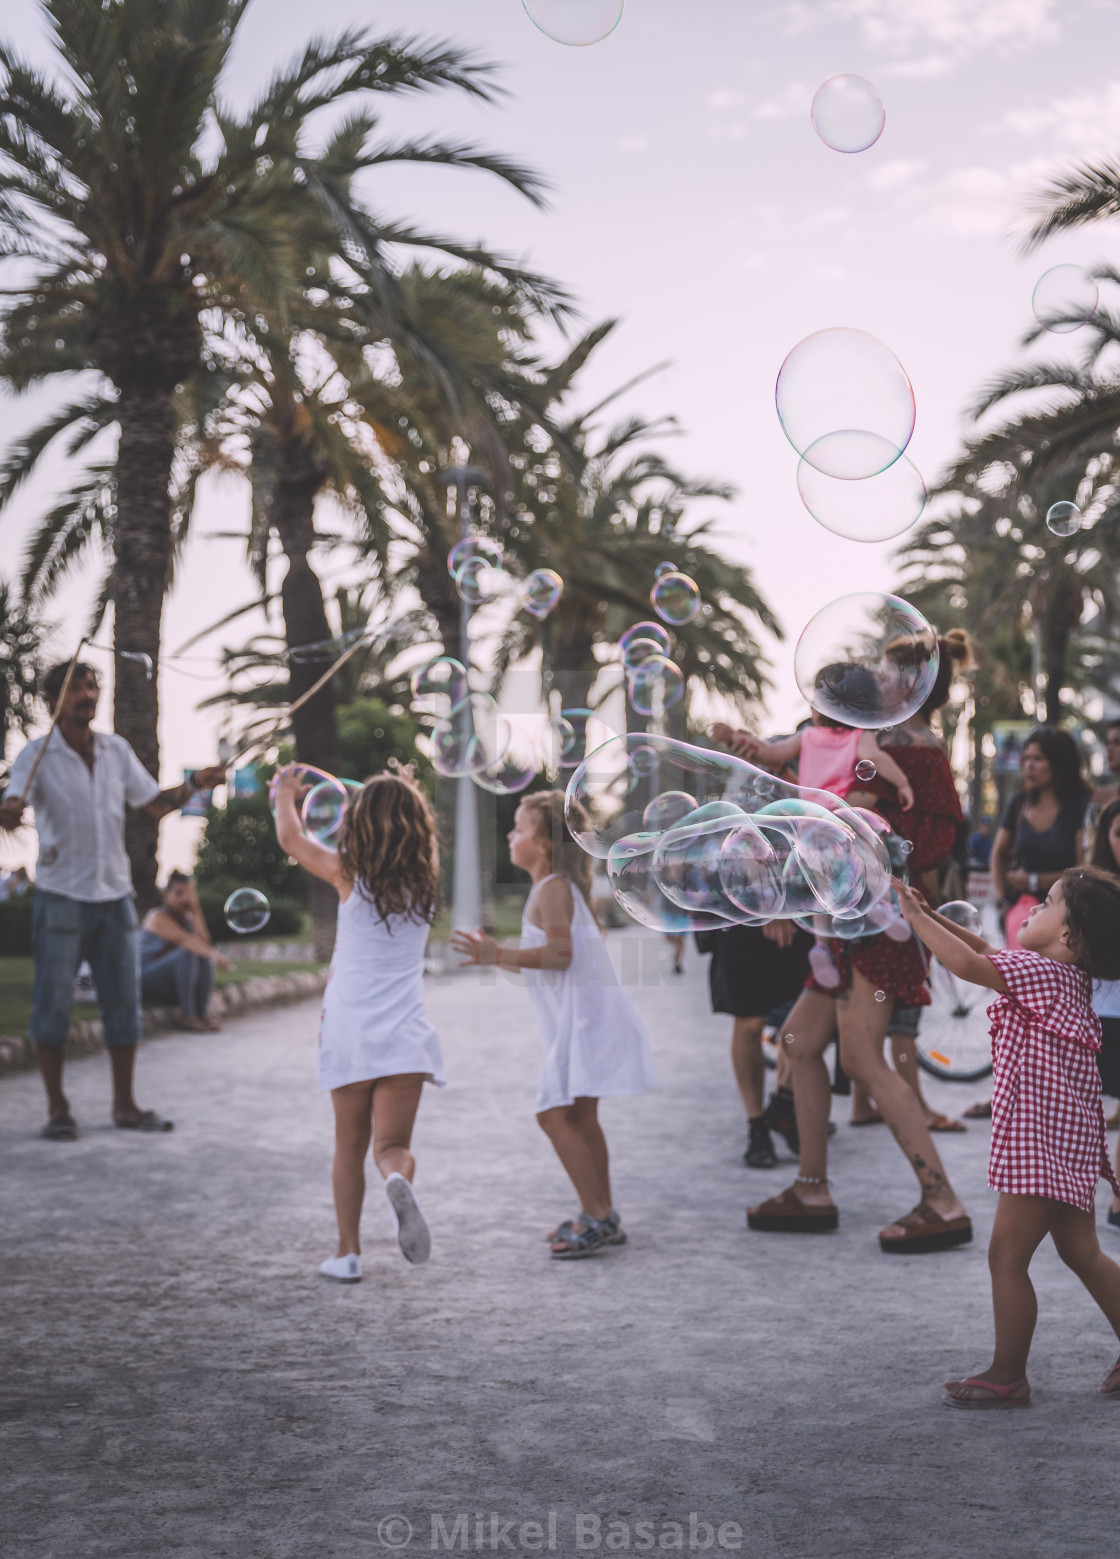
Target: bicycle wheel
column 954, row 1039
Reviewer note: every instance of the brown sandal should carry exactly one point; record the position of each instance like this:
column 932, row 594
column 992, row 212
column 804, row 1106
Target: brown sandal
column 927, row 1231
column 945, row 1123
column 788, row 1214
column 979, row 1112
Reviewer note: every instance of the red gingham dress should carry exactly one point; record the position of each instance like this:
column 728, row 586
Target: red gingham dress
column 1048, row 1132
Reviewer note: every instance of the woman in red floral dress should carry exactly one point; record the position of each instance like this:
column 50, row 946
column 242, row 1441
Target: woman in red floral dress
column 878, row 977
column 1048, row 1135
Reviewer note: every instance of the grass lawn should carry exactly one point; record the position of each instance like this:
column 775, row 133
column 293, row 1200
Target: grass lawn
column 16, row 978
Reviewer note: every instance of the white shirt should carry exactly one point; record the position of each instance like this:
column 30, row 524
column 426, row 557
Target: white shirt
column 79, row 814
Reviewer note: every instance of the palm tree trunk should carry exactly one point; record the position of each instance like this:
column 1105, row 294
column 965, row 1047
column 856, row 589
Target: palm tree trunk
column 315, row 726
column 1057, row 631
column 437, row 591
column 142, row 558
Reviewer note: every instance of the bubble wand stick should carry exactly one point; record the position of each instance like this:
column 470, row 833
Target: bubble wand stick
column 266, row 738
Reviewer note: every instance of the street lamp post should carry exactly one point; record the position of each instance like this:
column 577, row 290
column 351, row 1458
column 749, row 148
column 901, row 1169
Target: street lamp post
column 466, row 896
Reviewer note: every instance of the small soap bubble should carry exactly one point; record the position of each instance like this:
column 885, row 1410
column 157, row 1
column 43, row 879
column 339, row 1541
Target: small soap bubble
column 962, row 914
column 246, row 910
column 845, row 403
column 540, row 592
column 1065, row 298
column 646, row 630
column 323, row 809
column 575, row 22
column 473, row 548
column 848, row 114
column 788, row 1039
column 880, row 995
column 644, row 761
column 867, row 660
column 675, row 598
column 906, row 846
column 638, row 650
column 902, row 1058
column 664, row 568
column 654, row 686
column 668, row 808
column 1063, row 519
column 444, row 677
column 477, row 581
column 865, row 770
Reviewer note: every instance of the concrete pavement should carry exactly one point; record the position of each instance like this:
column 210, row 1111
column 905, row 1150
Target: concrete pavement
column 178, row 1381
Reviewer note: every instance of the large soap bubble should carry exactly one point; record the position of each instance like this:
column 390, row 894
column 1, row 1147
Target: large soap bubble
column 444, row 677
column 246, row 910
column 867, row 660
column 477, row 581
column 845, row 403
column 848, row 114
column 309, row 778
column 323, row 809
column 474, row 549
column 655, row 685
column 540, row 592
column 472, row 739
column 1065, row 298
column 694, row 838
column 875, row 509
column 575, row 22
column 1063, row 519
column 675, row 598
column 515, row 769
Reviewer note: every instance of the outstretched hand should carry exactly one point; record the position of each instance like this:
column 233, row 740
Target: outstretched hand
column 206, row 779
column 474, row 947
column 11, row 813
column 912, row 904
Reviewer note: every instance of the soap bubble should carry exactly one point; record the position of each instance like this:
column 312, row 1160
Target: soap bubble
column 668, row 808
column 638, row 650
column 665, row 568
column 308, row 778
column 874, row 509
column 473, row 738
column 906, row 846
column 323, row 809
column 865, row 770
column 880, row 995
column 868, row 660
column 472, row 549
column 644, row 630
column 1065, row 298
column 477, row 581
column 1064, row 519
column 514, row 770
column 575, row 22
column 540, row 591
column 962, row 914
column 246, row 910
column 654, row 686
column 442, row 677
column 691, row 833
column 675, row 598
column 845, row 403
column 848, row 114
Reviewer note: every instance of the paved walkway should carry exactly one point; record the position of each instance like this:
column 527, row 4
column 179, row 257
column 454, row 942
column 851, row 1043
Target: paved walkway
column 179, row 1381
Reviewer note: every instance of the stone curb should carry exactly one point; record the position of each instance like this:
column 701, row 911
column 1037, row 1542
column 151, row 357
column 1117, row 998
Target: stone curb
column 261, row 991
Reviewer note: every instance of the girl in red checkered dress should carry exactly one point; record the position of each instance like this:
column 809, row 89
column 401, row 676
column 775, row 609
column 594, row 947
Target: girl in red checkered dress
column 1048, row 1134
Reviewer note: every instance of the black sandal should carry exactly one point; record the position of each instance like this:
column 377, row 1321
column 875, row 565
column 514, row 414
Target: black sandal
column 60, row 1128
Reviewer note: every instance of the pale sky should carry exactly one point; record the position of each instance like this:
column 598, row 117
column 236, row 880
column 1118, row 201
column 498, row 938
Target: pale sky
column 692, row 198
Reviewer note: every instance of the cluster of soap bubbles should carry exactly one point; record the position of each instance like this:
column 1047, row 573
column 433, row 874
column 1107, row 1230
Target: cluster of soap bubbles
column 867, row 660
column 1065, row 298
column 1063, row 519
column 575, row 22
column 654, row 682
column 848, row 114
column 471, row 737
column 475, row 564
column 694, row 839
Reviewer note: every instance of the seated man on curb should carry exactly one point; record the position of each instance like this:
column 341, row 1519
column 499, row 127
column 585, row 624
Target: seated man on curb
column 83, row 900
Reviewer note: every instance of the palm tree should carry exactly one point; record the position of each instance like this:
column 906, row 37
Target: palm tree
column 146, row 210
column 21, row 663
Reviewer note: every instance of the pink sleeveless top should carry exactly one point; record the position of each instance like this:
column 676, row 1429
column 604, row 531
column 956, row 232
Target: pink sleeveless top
column 828, row 759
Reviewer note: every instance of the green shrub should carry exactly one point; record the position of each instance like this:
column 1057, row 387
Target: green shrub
column 239, row 846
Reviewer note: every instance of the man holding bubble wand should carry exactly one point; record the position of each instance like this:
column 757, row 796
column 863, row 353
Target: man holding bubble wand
column 79, row 782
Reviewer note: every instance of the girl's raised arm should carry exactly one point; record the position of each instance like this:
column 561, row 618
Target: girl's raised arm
column 959, row 950
column 309, row 853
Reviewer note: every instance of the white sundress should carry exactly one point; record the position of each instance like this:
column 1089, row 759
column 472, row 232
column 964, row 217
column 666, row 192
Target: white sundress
column 374, row 1023
column 594, row 1042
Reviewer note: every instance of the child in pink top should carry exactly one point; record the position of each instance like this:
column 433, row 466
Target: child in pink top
column 828, row 755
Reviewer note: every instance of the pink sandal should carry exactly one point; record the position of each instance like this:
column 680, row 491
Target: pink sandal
column 1001, row 1396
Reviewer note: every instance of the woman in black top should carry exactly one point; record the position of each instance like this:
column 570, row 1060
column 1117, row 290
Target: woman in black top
column 1039, row 834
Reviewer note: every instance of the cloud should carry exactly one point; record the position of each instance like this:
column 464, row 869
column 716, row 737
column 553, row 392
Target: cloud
column 929, row 37
column 1083, row 124
column 890, row 175
column 789, row 103
column 634, row 143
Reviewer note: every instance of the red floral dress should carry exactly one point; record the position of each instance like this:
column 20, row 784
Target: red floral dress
column 1048, row 1132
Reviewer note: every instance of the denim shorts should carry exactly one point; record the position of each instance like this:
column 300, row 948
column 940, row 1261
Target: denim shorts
column 904, row 1021
column 65, row 931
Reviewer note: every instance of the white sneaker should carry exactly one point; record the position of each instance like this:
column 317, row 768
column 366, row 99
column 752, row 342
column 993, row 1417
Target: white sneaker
column 412, row 1231
column 342, row 1269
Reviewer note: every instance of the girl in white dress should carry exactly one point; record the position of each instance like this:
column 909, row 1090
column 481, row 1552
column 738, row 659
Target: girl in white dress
column 594, row 1040
column 376, row 1046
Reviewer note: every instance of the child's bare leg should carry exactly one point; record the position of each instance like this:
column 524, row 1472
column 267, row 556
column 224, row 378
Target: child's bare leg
column 395, row 1103
column 1075, row 1239
column 811, row 1025
column 747, row 1063
column 353, row 1128
column 1021, row 1224
column 863, row 1105
column 575, row 1133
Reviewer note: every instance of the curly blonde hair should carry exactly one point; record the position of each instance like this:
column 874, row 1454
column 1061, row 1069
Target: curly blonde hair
column 388, row 848
column 546, row 808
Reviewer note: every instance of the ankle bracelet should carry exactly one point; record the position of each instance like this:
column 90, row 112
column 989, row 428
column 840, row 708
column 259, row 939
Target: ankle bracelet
column 808, row 1180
